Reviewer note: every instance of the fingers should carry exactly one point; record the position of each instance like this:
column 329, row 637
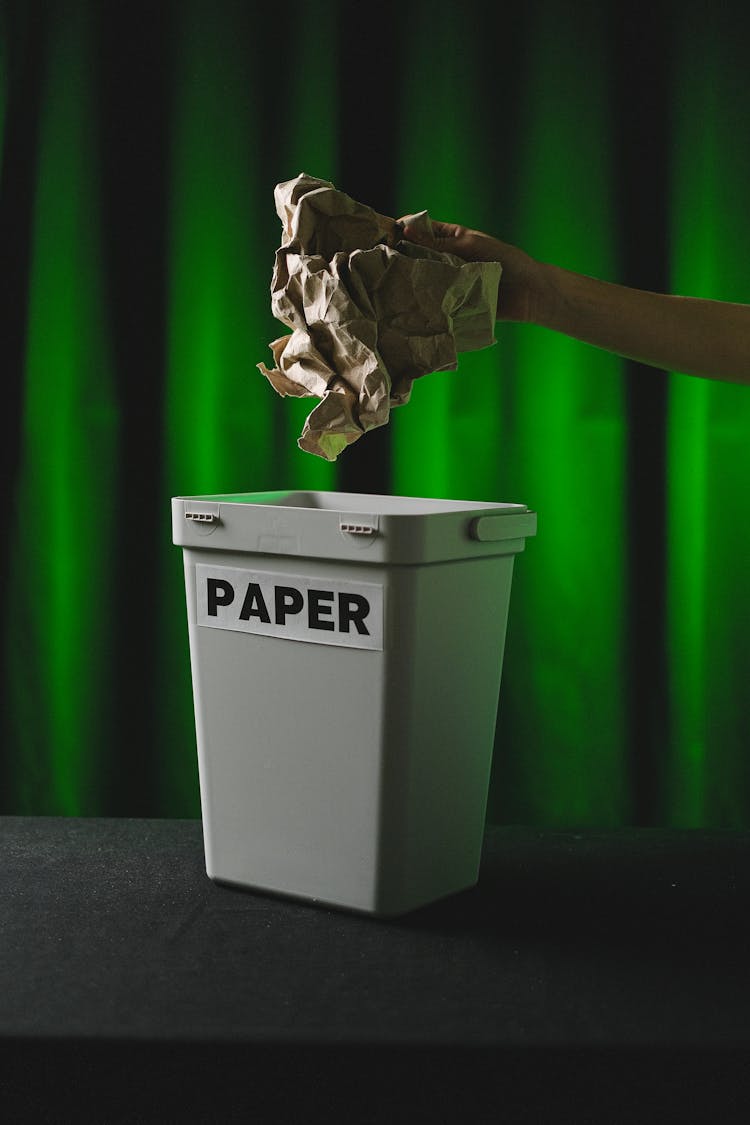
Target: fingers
column 415, row 233
column 441, row 232
column 408, row 231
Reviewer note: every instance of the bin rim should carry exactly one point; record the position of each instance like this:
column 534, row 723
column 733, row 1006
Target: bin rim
column 358, row 527
column 387, row 504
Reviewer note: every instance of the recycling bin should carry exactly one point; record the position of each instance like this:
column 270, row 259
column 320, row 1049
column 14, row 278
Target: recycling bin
column 346, row 653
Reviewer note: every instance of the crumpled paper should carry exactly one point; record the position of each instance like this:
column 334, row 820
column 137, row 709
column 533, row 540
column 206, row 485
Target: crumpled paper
column 369, row 311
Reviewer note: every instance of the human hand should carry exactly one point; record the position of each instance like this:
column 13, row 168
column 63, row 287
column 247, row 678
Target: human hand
column 522, row 283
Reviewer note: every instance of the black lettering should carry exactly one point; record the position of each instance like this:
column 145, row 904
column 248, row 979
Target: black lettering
column 214, row 598
column 315, row 609
column 353, row 608
column 254, row 604
column 287, row 600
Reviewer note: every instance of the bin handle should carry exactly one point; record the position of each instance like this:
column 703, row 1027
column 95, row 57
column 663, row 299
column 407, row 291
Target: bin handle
column 510, row 525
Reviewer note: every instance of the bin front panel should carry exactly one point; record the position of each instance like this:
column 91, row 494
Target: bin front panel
column 290, row 741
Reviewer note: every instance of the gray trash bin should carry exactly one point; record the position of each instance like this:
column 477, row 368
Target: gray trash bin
column 346, row 653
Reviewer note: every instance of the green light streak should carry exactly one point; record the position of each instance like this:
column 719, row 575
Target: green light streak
column 686, row 612
column 561, row 445
column 309, row 133
column 60, row 588
column 443, row 440
column 219, row 409
column 708, row 454
column 218, row 415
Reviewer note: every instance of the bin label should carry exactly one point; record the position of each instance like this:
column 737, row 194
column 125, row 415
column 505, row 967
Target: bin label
column 326, row 611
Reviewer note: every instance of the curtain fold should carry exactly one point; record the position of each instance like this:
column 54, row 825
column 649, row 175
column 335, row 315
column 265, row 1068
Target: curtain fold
column 708, row 468
column 217, row 425
column 561, row 747
column 59, row 590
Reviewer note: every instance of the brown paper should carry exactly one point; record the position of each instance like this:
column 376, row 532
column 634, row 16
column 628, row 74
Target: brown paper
column 369, row 312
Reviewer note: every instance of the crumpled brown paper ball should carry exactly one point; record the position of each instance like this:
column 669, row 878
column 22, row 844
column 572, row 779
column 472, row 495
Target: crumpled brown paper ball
column 369, row 313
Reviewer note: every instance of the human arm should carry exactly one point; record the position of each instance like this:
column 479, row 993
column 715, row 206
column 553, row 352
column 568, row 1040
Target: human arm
column 686, row 334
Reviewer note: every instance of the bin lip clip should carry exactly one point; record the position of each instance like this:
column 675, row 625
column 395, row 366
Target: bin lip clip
column 355, row 524
column 202, row 511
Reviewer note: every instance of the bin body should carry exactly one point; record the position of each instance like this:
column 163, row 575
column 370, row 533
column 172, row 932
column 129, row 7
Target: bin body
column 346, row 654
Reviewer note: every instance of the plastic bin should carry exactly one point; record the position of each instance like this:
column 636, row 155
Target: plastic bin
column 346, row 654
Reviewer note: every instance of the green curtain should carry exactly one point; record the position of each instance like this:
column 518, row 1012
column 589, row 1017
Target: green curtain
column 509, row 121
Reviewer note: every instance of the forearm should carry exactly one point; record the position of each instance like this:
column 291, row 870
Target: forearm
column 685, row 334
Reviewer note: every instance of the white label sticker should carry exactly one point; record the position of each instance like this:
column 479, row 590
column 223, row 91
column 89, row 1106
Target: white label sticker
column 326, row 611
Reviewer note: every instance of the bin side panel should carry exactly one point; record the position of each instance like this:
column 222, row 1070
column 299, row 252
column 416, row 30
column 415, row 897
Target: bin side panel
column 442, row 690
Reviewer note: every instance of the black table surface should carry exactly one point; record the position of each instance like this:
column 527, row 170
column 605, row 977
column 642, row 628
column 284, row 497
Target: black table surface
column 605, row 973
